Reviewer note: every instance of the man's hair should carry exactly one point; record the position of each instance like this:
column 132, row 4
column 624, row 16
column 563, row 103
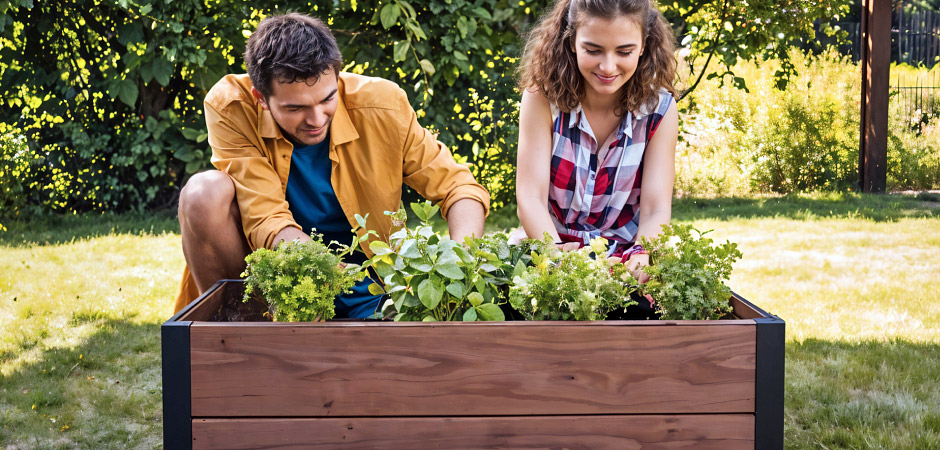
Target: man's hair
column 289, row 48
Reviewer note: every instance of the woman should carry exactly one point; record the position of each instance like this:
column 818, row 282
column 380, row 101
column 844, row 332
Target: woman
column 597, row 126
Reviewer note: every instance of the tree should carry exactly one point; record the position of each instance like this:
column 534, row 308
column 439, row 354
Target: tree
column 108, row 94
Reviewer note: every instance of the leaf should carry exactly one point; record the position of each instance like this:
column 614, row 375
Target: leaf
column 430, row 293
column 189, row 133
column 455, row 288
column 475, row 298
column 427, row 67
column 146, row 73
column 421, row 265
column 389, row 15
column 490, row 312
column 483, row 14
column 162, row 70
column 409, row 249
column 401, row 50
column 421, row 211
column 145, row 9
column 451, row 271
column 361, row 220
column 128, row 92
column 379, row 248
column 376, row 289
column 470, row 315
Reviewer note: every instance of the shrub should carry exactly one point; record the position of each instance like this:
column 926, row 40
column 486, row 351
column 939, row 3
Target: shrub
column 767, row 140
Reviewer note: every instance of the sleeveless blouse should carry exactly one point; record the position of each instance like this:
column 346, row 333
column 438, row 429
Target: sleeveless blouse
column 595, row 192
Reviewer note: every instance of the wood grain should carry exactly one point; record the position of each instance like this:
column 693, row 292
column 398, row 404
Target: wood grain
column 743, row 310
column 208, row 303
column 716, row 431
column 465, row 369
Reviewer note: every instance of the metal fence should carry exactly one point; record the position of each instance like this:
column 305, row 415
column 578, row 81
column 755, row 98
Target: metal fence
column 917, row 94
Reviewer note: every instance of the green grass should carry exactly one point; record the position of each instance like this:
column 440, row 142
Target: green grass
column 855, row 277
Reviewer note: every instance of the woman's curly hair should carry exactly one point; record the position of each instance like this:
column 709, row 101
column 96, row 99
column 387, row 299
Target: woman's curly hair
column 550, row 65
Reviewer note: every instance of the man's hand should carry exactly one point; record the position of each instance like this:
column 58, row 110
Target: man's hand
column 465, row 218
column 289, row 234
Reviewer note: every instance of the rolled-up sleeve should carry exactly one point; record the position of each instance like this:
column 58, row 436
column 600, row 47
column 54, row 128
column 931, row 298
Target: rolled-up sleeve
column 430, row 169
column 258, row 189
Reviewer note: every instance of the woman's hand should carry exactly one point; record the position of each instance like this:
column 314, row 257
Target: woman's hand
column 568, row 246
column 635, row 265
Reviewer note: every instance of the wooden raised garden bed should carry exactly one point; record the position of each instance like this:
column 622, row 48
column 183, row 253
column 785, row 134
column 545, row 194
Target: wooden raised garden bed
column 368, row 384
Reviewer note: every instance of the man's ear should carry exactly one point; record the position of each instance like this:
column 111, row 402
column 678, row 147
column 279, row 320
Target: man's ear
column 257, row 94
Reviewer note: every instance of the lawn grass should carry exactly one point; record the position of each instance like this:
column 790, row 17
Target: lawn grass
column 854, row 276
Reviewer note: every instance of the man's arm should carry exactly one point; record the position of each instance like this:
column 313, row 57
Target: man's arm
column 465, row 218
column 239, row 151
column 430, row 169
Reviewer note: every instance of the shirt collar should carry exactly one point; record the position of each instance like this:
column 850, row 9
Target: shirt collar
column 577, row 119
column 341, row 128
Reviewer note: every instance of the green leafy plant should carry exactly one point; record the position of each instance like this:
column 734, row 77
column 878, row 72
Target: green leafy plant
column 300, row 280
column 687, row 274
column 572, row 285
column 433, row 278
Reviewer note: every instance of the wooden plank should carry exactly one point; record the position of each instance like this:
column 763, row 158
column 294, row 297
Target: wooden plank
column 714, row 431
column 459, row 369
column 204, row 307
column 744, row 310
column 876, row 63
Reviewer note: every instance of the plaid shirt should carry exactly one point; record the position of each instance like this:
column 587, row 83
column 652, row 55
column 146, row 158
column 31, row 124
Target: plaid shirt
column 597, row 193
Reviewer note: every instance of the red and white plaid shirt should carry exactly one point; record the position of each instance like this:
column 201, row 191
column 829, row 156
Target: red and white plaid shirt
column 595, row 190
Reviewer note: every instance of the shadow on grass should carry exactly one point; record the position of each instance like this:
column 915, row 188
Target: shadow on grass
column 875, row 207
column 103, row 393
column 60, row 229
column 862, row 395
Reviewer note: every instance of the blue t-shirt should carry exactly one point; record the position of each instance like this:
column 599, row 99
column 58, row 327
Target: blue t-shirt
column 313, row 203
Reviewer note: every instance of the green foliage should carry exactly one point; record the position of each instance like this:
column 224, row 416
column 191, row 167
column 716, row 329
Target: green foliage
column 804, row 138
column 17, row 165
column 109, row 95
column 571, row 285
column 432, row 278
column 913, row 134
column 687, row 274
column 733, row 31
column 299, row 280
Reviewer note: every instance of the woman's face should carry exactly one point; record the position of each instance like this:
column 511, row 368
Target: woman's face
column 608, row 50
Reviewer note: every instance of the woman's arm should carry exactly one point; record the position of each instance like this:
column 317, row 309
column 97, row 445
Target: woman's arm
column 659, row 175
column 533, row 166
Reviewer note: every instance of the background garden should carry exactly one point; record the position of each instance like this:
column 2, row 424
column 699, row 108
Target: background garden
column 101, row 123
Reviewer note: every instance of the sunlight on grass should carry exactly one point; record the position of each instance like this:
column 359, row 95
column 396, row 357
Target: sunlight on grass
column 80, row 347
column 855, row 278
column 840, row 279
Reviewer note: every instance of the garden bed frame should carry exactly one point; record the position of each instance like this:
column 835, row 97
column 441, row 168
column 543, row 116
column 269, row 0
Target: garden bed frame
column 370, row 384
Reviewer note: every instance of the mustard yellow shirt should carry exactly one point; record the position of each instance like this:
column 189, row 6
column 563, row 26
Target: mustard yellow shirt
column 376, row 145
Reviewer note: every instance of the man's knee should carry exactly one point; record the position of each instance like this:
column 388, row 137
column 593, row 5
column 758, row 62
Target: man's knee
column 207, row 196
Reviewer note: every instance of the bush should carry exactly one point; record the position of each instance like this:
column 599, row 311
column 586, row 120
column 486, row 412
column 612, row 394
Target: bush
column 767, row 140
column 804, row 138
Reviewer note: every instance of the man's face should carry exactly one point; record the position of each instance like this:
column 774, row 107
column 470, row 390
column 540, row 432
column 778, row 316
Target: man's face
column 303, row 109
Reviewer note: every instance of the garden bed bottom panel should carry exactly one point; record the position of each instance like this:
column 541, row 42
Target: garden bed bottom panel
column 710, row 431
column 688, row 381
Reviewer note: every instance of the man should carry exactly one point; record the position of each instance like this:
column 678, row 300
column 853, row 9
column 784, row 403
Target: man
column 299, row 145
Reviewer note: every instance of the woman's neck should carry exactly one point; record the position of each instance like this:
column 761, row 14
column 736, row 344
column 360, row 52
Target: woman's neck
column 595, row 102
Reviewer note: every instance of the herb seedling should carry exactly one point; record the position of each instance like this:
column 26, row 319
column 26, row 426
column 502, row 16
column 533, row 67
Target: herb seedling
column 300, row 280
column 687, row 273
column 570, row 285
